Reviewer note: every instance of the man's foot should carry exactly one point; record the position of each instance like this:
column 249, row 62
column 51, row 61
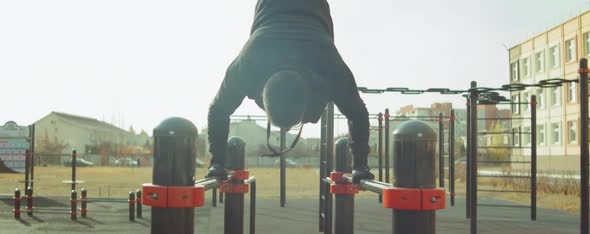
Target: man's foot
column 217, row 170
column 362, row 173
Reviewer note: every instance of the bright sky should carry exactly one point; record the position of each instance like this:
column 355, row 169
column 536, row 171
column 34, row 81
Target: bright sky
column 137, row 62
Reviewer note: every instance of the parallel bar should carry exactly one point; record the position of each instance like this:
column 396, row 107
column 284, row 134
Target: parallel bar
column 503, row 147
column 584, row 193
column 487, row 133
column 323, row 170
column 503, row 191
column 503, row 176
column 387, row 168
column 468, row 159
column 499, row 118
column 504, row 162
column 380, row 149
column 441, row 151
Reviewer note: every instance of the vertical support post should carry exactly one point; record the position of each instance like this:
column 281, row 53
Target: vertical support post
column 533, row 157
column 74, row 205
column 16, row 199
column 29, row 194
column 27, row 167
column 387, row 168
column 32, row 153
column 214, row 197
column 344, row 203
column 380, row 149
column 441, row 151
column 329, row 165
column 234, row 202
column 83, row 202
column 283, row 166
column 220, row 197
column 414, row 147
column 323, row 169
column 131, row 206
column 473, row 95
column 584, row 199
column 73, row 169
column 138, row 205
column 468, row 161
column 452, row 157
column 253, row 207
column 174, row 165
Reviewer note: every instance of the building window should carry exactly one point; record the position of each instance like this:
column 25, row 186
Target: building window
column 540, row 134
column 571, row 92
column 555, row 133
column 540, row 98
column 526, row 137
column 587, row 43
column 514, row 71
column 570, row 50
column 555, row 96
column 526, row 98
column 516, row 136
column 572, row 131
column 540, row 61
column 515, row 104
column 554, row 61
column 526, row 71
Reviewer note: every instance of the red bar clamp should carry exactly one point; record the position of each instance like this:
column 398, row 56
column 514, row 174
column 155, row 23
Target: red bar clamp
column 343, row 189
column 414, row 199
column 173, row 196
column 228, row 187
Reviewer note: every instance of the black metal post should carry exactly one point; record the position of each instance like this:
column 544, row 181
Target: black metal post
column 131, row 206
column 234, row 202
column 473, row 95
column 214, row 197
column 380, row 149
column 344, row 203
column 16, row 199
column 468, row 161
column 74, row 205
column 323, row 170
column 253, row 207
column 387, row 168
column 27, row 167
column 73, row 169
column 138, row 205
column 414, row 147
column 32, row 169
column 533, row 157
column 584, row 203
column 174, row 165
column 441, row 151
column 83, row 202
column 329, row 165
column 283, row 165
column 29, row 194
column 452, row 157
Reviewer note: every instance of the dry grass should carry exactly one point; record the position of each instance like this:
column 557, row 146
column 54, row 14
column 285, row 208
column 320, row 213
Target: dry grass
column 117, row 181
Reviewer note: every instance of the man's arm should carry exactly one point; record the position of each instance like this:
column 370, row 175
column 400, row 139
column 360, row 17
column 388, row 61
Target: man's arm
column 228, row 99
column 349, row 102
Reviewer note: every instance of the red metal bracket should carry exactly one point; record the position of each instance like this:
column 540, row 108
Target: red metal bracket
column 343, row 189
column 583, row 70
column 240, row 175
column 173, row 196
column 379, row 118
column 414, row 199
column 338, row 176
column 227, row 187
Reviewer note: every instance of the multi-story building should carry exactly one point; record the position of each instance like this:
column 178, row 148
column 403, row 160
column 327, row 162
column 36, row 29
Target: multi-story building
column 551, row 54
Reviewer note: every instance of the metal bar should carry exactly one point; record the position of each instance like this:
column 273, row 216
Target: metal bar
column 329, row 165
column 473, row 103
column 131, row 206
column 499, row 118
column 505, row 162
column 468, row 159
column 380, row 149
column 503, row 147
column 584, row 199
column 283, row 166
column 387, row 145
column 323, row 170
column 452, row 157
column 441, row 149
column 502, row 176
column 112, row 200
column 252, row 206
column 344, row 203
column 32, row 169
column 503, row 191
column 486, row 133
column 74, row 169
column 27, row 166
column 370, row 185
column 234, row 202
column 507, row 206
column 533, row 157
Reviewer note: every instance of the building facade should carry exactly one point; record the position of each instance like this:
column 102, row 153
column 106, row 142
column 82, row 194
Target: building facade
column 551, row 54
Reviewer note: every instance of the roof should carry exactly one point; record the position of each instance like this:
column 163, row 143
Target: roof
column 86, row 122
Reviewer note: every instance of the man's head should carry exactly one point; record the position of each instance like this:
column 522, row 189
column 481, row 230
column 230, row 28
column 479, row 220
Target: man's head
column 285, row 96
